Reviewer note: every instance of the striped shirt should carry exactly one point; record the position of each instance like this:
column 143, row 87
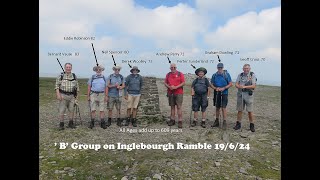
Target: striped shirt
column 65, row 84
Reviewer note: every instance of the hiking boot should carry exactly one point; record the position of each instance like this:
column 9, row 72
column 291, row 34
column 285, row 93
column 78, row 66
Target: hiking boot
column 203, row 124
column 91, row 124
column 238, row 126
column 179, row 124
column 71, row 124
column 216, row 123
column 194, row 123
column 103, row 124
column 119, row 122
column 109, row 122
column 61, row 126
column 252, row 127
column 171, row 122
column 127, row 121
column 224, row 125
column 134, row 122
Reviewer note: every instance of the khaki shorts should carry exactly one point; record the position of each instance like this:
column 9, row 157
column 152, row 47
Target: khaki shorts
column 114, row 101
column 67, row 102
column 175, row 99
column 133, row 101
column 245, row 101
column 97, row 99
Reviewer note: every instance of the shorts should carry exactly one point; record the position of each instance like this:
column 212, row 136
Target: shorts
column 133, row 101
column 97, row 99
column 245, row 101
column 67, row 102
column 200, row 101
column 114, row 101
column 218, row 98
column 175, row 99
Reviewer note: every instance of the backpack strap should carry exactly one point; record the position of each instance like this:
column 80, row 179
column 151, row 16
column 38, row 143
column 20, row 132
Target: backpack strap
column 73, row 75
column 207, row 82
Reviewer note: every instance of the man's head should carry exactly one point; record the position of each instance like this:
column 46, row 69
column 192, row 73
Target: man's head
column 246, row 68
column 220, row 67
column 201, row 72
column 68, row 68
column 173, row 67
column 135, row 70
column 116, row 69
column 98, row 69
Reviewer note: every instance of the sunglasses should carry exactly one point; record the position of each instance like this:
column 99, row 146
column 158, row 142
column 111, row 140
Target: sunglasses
column 117, row 69
column 173, row 67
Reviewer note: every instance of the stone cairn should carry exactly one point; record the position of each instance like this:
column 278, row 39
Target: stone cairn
column 148, row 108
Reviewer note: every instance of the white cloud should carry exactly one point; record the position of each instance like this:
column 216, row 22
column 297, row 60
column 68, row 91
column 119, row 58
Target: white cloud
column 179, row 24
column 250, row 31
column 220, row 6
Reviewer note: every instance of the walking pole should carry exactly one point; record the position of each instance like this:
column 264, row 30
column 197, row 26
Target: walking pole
column 220, row 114
column 79, row 115
column 190, row 113
column 89, row 104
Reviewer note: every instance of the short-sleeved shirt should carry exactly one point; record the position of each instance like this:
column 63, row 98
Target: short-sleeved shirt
column 114, row 92
column 220, row 81
column 174, row 79
column 98, row 84
column 246, row 80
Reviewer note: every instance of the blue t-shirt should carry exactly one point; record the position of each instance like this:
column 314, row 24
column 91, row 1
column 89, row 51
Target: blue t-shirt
column 98, row 83
column 114, row 92
column 220, row 81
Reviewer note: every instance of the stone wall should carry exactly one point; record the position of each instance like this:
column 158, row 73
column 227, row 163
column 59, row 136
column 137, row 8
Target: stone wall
column 148, row 109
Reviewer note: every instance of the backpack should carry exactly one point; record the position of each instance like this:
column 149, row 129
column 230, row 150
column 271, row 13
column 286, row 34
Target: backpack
column 93, row 78
column 250, row 81
column 179, row 74
column 74, row 77
column 224, row 75
column 121, row 77
column 201, row 88
column 251, row 73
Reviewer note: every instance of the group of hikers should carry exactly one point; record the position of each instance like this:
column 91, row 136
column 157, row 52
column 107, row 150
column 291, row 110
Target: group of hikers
column 110, row 90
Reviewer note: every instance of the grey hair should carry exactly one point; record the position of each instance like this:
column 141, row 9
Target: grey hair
column 246, row 65
column 67, row 64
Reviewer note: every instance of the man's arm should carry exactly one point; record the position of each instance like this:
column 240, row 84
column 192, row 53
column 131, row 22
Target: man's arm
column 212, row 86
column 180, row 85
column 249, row 87
column 238, row 85
column 109, row 85
column 192, row 91
column 56, row 88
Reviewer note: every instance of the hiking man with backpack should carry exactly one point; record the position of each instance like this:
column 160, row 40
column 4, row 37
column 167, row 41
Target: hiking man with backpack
column 115, row 83
column 174, row 81
column 221, row 82
column 66, row 88
column 97, row 95
column 200, row 94
column 246, row 82
column 133, row 92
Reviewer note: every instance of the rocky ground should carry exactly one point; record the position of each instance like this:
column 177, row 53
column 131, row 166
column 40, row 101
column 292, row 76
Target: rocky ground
column 261, row 161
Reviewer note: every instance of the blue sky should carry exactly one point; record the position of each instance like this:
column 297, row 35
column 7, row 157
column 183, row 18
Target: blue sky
column 146, row 27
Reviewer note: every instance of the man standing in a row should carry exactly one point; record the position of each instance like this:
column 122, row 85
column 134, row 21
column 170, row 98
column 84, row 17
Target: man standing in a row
column 97, row 95
column 174, row 81
column 134, row 84
column 115, row 85
column 246, row 83
column 66, row 88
